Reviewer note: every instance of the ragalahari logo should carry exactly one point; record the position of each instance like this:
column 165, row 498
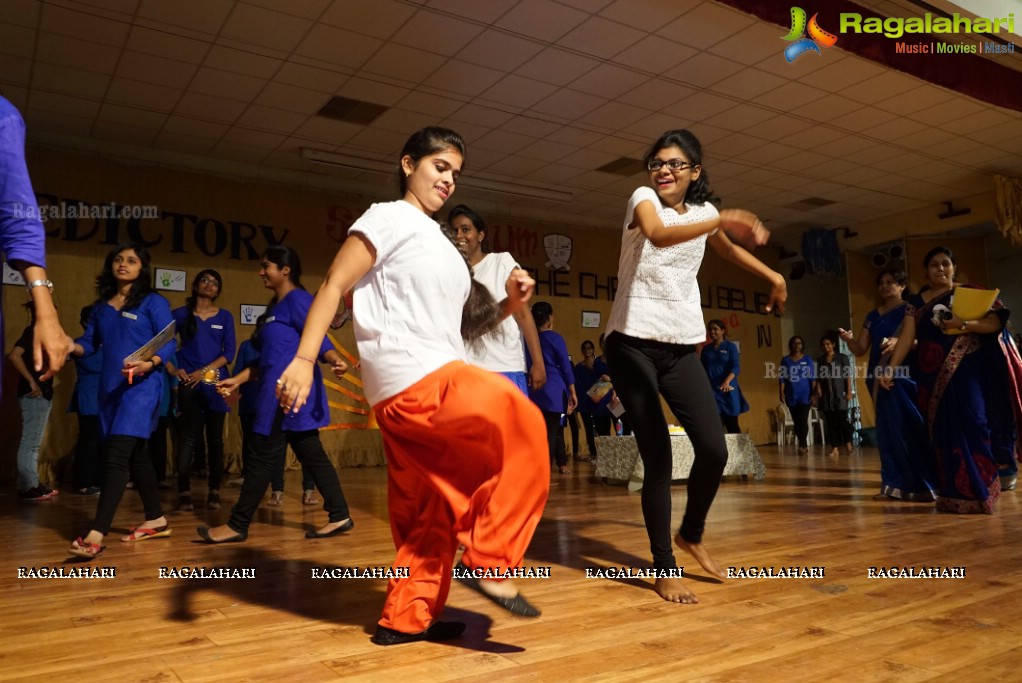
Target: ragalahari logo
column 817, row 36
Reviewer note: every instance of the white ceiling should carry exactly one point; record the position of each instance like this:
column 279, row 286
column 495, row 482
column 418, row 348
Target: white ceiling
column 544, row 91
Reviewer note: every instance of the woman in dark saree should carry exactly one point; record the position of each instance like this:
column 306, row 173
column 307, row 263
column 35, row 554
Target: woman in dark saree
column 907, row 471
column 967, row 373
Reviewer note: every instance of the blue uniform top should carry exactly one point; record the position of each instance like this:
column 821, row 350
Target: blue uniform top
column 719, row 362
column 880, row 327
column 128, row 409
column 584, row 381
column 278, row 345
column 248, row 356
column 552, row 396
column 85, row 395
column 797, row 379
column 21, row 232
column 214, row 337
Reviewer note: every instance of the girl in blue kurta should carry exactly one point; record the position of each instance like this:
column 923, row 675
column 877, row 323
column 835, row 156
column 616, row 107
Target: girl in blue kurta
column 557, row 397
column 126, row 315
column 88, row 466
column 720, row 360
column 276, row 427
column 798, row 383
column 596, row 417
column 207, row 346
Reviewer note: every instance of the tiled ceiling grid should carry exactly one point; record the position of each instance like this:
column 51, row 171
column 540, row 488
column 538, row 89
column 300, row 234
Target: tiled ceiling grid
column 544, row 91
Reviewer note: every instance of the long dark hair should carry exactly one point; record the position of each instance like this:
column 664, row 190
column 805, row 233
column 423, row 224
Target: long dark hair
column 481, row 314
column 541, row 313
column 900, row 277
column 699, row 191
column 190, row 328
column 106, row 283
column 282, row 257
column 477, row 222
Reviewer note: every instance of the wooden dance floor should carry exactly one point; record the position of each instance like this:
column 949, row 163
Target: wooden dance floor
column 284, row 625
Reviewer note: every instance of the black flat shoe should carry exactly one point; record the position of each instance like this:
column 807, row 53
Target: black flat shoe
column 236, row 538
column 438, row 630
column 516, row 605
column 342, row 529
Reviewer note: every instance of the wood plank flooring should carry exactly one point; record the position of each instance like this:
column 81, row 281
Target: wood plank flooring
column 286, row 626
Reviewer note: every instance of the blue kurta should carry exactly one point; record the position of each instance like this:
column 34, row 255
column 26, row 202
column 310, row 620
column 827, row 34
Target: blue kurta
column 214, row 337
column 21, row 232
column 719, row 362
column 248, row 357
column 128, row 409
column 553, row 396
column 798, row 379
column 85, row 395
column 584, row 381
column 279, row 340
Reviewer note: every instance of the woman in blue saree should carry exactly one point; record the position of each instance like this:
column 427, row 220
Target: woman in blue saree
column 907, row 472
column 963, row 399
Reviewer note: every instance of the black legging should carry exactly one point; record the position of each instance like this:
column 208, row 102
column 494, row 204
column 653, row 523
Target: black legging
column 837, row 429
column 642, row 369
column 195, row 418
column 800, row 418
column 158, row 448
column 730, row 423
column 123, row 454
column 555, row 438
column 88, row 467
column 266, row 454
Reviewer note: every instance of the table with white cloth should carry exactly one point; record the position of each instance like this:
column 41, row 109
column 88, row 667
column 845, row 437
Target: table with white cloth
column 619, row 458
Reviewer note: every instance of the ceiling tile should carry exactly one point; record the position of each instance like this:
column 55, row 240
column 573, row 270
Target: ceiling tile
column 757, row 43
column 264, row 28
column 702, row 106
column 791, row 96
column 557, row 19
column 829, row 108
column 654, row 55
column 209, row 107
column 437, row 33
column 337, row 46
column 114, row 113
column 881, row 87
column 864, row 118
column 123, row 133
column 67, row 104
column 705, row 25
column 749, row 83
column 15, row 70
column 839, row 74
column 647, row 15
column 156, row 70
column 703, row 70
column 225, row 84
column 22, row 12
column 39, row 122
column 982, row 120
column 271, row 119
column 241, row 62
column 291, row 98
column 144, row 95
column 558, row 66
column 741, row 117
column 950, row 110
column 16, row 41
column 380, row 18
column 326, row 132
column 239, row 152
column 206, row 16
column 486, row 12
column 15, row 95
column 463, row 78
column 195, row 127
column 657, row 95
column 186, row 144
column 369, row 90
column 430, row 105
column 307, row 9
column 69, row 81
column 311, row 78
column 915, row 100
column 413, row 65
column 166, row 45
column 601, row 37
column 609, row 81
column 79, row 54
column 77, row 23
column 504, row 142
column 568, row 104
column 517, row 92
column 499, row 50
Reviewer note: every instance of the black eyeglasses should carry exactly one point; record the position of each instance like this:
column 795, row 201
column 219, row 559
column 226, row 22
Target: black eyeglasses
column 673, row 164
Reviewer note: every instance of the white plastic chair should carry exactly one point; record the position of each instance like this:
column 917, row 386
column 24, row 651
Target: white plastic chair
column 786, row 426
column 815, row 421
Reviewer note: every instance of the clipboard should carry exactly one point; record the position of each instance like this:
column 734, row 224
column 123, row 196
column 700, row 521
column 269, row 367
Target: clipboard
column 971, row 304
column 149, row 349
column 599, row 390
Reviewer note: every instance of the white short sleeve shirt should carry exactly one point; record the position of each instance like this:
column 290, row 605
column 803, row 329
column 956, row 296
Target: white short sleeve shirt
column 501, row 350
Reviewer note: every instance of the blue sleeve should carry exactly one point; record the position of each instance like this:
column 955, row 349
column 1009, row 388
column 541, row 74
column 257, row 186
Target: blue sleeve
column 160, row 317
column 230, row 340
column 600, row 368
column 89, row 341
column 564, row 362
column 21, row 232
column 732, row 364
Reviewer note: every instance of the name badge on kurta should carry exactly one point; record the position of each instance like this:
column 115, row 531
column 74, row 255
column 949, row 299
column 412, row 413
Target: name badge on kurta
column 216, row 327
column 270, row 319
column 129, row 316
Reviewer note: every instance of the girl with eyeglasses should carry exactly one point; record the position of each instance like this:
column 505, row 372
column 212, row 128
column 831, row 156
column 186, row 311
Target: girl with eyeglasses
column 465, row 447
column 654, row 326
column 207, row 347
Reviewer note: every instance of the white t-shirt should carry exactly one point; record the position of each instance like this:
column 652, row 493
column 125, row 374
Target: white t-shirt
column 501, row 350
column 407, row 308
column 658, row 295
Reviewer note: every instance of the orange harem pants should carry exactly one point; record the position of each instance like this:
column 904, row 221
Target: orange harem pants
column 466, row 459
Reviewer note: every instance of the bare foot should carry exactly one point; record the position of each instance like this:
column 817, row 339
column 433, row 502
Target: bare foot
column 702, row 556
column 331, row 527
column 219, row 534
column 802, row 450
column 673, row 590
column 834, row 452
column 499, row 589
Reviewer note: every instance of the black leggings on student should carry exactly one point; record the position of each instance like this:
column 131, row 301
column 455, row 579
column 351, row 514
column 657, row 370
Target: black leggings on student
column 800, row 418
column 555, row 438
column 124, row 455
column 730, row 423
column 194, row 419
column 88, row 467
column 837, row 429
column 267, row 454
column 643, row 370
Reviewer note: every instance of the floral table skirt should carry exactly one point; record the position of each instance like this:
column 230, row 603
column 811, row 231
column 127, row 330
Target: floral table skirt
column 619, row 458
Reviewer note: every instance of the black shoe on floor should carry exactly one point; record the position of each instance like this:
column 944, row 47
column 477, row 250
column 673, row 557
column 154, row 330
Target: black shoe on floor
column 342, row 529
column 438, row 630
column 36, row 493
column 516, row 605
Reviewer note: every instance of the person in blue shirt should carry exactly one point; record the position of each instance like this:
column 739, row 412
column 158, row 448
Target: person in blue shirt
column 557, row 397
column 88, row 464
column 207, row 348
column 596, row 417
column 23, row 243
column 276, row 427
column 798, row 386
column 126, row 316
column 248, row 357
column 720, row 360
